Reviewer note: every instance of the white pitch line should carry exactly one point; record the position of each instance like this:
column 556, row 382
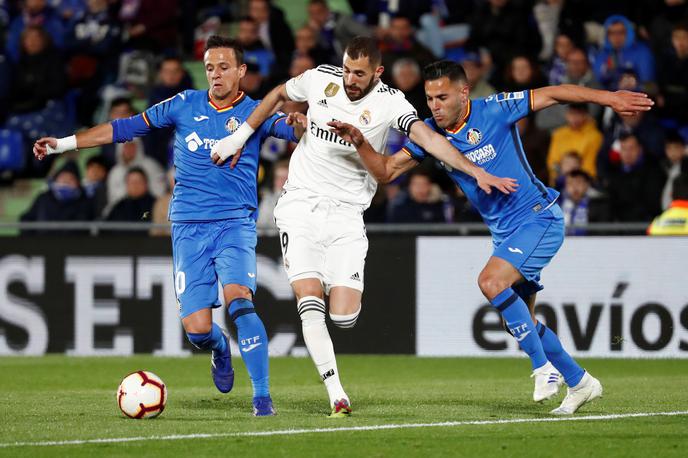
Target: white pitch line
column 285, row 432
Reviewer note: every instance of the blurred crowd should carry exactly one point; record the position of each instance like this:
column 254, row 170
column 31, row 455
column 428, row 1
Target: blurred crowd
column 67, row 64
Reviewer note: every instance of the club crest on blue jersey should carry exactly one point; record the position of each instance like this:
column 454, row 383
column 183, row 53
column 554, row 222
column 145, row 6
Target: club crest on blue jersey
column 473, row 136
column 232, row 125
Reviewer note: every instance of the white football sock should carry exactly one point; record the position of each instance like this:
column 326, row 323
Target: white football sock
column 312, row 312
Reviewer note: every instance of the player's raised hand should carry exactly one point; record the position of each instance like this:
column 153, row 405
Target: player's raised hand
column 487, row 181
column 297, row 118
column 628, row 103
column 40, row 147
column 347, row 132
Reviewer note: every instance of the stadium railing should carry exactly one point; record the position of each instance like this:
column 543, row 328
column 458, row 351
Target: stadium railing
column 98, row 227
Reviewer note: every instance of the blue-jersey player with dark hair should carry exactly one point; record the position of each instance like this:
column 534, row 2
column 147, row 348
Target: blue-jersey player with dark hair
column 527, row 226
column 213, row 209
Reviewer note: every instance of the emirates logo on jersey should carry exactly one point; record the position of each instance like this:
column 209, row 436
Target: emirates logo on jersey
column 473, row 136
column 364, row 118
column 232, row 124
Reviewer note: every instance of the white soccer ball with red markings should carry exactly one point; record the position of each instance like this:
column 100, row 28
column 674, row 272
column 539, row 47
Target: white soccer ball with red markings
column 142, row 394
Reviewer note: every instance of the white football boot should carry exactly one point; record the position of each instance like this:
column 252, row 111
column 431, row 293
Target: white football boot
column 587, row 390
column 547, row 382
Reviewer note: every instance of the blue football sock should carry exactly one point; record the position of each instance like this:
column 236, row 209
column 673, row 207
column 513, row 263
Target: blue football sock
column 253, row 343
column 517, row 317
column 556, row 354
column 213, row 340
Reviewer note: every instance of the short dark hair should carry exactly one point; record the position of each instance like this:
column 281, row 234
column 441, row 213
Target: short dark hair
column 578, row 173
column 364, row 47
column 218, row 41
column 579, row 106
column 319, row 2
column 98, row 159
column 137, row 169
column 628, row 135
column 672, row 136
column 445, row 68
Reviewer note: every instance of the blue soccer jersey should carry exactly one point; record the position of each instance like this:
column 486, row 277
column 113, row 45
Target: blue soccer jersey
column 204, row 191
column 489, row 138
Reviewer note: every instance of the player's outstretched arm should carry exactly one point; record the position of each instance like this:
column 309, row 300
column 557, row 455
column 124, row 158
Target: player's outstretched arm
column 623, row 102
column 233, row 143
column 439, row 147
column 95, row 136
column 383, row 168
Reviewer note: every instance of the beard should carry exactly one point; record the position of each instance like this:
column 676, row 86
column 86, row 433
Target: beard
column 358, row 92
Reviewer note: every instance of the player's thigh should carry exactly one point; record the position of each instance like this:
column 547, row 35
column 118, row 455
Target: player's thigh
column 345, row 300
column 533, row 245
column 195, row 280
column 302, row 253
column 345, row 255
column 235, row 253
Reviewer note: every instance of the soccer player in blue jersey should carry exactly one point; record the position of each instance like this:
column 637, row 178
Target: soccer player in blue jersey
column 213, row 209
column 527, row 226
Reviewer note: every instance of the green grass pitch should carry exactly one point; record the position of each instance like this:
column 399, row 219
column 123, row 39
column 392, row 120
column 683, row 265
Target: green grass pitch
column 57, row 398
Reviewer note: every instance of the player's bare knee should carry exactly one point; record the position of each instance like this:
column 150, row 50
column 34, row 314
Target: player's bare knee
column 234, row 291
column 197, row 323
column 345, row 317
column 490, row 284
column 309, row 287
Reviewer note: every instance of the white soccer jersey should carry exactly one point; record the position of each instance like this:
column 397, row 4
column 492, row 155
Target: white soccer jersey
column 325, row 164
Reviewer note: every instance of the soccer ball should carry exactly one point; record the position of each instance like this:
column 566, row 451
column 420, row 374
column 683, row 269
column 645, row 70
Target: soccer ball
column 142, row 394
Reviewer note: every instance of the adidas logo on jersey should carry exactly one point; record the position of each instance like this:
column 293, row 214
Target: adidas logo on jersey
column 356, row 277
column 323, row 103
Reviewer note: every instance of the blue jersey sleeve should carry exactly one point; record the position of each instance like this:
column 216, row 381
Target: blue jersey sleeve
column 276, row 126
column 509, row 107
column 415, row 151
column 165, row 113
column 124, row 130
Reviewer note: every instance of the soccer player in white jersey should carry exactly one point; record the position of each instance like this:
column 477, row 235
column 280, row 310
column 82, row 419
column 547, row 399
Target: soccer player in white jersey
column 319, row 215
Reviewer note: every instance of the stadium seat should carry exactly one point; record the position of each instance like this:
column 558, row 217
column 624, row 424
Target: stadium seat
column 11, row 150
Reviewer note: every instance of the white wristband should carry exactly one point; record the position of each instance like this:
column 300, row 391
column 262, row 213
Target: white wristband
column 243, row 133
column 63, row 144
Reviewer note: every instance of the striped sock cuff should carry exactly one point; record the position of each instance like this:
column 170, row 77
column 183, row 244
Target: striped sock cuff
column 345, row 321
column 310, row 303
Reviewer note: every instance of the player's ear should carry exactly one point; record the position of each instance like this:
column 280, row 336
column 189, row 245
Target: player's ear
column 378, row 71
column 242, row 70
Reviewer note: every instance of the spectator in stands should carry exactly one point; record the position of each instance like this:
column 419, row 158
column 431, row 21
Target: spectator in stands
column 400, row 43
column 580, row 135
column 254, row 83
column 570, row 162
column 254, row 49
column 536, row 145
column 34, row 13
column 635, row 185
column 151, row 24
column 421, row 203
column 674, row 221
column 547, row 14
column 334, row 30
column 445, row 27
column 522, row 73
column 676, row 162
column 94, row 183
column 672, row 75
column 578, row 72
column 64, row 200
column 557, row 65
column 269, row 197
column 472, row 63
column 38, row 75
column 131, row 154
column 172, row 79
column 120, row 108
column 137, row 205
column 621, row 52
column 580, row 203
column 161, row 207
column 93, row 40
column 307, row 45
column 406, row 77
column 501, row 26
column 273, row 30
